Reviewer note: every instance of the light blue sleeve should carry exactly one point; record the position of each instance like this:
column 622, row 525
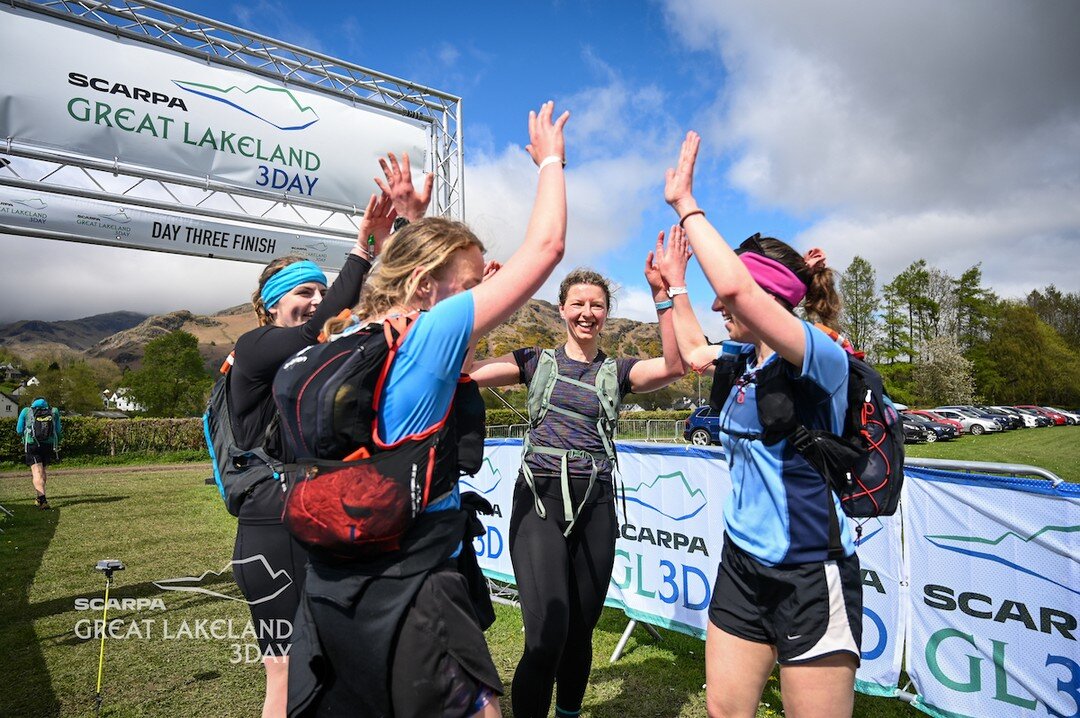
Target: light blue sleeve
column 20, row 425
column 59, row 429
column 425, row 373
column 826, row 364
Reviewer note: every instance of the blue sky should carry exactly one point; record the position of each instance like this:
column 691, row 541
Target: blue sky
column 949, row 132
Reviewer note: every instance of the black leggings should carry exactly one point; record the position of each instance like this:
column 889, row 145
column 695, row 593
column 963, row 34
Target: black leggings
column 562, row 582
column 269, row 566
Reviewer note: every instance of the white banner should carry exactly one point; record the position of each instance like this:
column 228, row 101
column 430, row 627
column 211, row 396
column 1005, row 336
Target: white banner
column 670, row 544
column 90, row 93
column 100, row 222
column 995, row 595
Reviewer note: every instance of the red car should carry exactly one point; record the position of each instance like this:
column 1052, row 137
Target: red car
column 1058, row 419
column 934, row 417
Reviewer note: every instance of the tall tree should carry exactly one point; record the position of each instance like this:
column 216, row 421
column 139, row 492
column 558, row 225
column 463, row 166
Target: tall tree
column 894, row 338
column 858, row 286
column 79, row 391
column 172, row 380
column 974, row 308
column 1060, row 311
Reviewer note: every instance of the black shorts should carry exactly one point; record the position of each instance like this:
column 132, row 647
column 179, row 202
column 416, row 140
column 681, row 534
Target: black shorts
column 807, row 611
column 43, row 455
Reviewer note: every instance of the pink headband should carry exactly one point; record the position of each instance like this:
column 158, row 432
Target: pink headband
column 774, row 277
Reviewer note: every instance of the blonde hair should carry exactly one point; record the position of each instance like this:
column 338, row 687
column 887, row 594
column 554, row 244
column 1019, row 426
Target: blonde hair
column 429, row 243
column 268, row 271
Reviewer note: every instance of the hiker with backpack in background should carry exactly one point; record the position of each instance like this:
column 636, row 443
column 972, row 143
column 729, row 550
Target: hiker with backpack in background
column 788, row 589
column 563, row 524
column 39, row 426
column 292, row 303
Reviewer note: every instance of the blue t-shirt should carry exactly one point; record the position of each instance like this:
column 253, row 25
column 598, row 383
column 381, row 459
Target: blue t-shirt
column 424, row 375
column 778, row 510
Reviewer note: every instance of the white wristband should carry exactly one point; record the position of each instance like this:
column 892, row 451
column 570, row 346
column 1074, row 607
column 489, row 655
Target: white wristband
column 550, row 160
column 673, row 291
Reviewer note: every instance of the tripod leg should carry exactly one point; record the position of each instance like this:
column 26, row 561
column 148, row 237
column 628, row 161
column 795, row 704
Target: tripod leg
column 101, row 652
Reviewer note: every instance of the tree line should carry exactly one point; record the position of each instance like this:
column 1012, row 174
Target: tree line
column 939, row 339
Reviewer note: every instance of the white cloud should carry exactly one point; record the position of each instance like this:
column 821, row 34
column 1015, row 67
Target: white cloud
column 949, row 131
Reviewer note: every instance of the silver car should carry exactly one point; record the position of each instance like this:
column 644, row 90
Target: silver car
column 971, row 423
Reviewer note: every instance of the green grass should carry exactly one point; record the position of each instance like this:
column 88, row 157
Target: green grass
column 165, row 522
column 1054, row 448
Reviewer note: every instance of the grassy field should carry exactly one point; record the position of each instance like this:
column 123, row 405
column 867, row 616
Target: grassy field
column 165, row 522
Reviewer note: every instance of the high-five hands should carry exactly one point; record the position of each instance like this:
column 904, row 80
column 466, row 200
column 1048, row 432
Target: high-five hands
column 398, row 185
column 545, row 136
column 679, row 182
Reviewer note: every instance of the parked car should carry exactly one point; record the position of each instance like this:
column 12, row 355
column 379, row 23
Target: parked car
column 1000, row 420
column 1058, row 419
column 972, row 424
column 1072, row 418
column 937, row 431
column 1040, row 419
column 937, row 417
column 914, row 433
column 1012, row 421
column 702, row 427
column 1028, row 420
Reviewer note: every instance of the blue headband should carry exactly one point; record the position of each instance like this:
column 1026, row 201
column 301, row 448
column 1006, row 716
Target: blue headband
column 288, row 279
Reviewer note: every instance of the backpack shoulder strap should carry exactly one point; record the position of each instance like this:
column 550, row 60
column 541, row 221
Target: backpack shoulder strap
column 541, row 385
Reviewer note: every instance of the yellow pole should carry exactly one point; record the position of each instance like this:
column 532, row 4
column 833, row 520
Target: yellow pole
column 104, row 623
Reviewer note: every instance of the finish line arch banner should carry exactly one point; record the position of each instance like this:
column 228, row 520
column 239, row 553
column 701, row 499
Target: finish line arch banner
column 671, row 535
column 995, row 595
column 85, row 92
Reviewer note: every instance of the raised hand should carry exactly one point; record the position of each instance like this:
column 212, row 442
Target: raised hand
column 545, row 136
column 652, row 270
column 379, row 216
column 679, row 182
column 672, row 260
column 398, row 185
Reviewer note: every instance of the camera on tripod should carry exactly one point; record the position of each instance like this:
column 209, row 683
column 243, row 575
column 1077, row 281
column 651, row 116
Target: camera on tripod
column 108, row 565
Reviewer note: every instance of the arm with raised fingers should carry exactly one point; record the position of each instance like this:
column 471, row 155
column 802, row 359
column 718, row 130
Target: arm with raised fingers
column 398, row 185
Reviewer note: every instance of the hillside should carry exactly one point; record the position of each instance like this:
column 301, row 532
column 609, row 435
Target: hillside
column 33, row 338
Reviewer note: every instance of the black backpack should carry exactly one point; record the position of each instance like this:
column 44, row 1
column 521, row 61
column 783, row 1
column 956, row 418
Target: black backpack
column 864, row 465
column 236, row 471
column 42, row 429
column 351, row 496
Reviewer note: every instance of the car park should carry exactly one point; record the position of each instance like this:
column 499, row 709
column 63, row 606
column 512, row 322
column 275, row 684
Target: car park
column 1011, row 421
column 926, row 413
column 972, row 424
column 936, row 430
column 1058, row 419
column 972, row 411
column 1028, row 420
column 1072, row 418
column 702, row 427
column 1041, row 420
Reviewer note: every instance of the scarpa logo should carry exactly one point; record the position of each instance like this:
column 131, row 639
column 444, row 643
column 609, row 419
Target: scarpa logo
column 276, row 106
column 119, row 216
column 35, row 204
column 1010, row 549
column 278, row 581
column 648, row 494
column 490, row 478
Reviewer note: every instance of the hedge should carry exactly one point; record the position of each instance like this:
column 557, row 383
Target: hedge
column 87, row 436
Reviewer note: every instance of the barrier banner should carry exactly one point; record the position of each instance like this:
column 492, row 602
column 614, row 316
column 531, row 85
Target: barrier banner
column 99, row 222
column 671, row 536
column 995, row 595
column 88, row 92
column 885, row 599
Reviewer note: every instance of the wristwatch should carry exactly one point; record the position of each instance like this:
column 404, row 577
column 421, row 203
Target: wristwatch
column 398, row 224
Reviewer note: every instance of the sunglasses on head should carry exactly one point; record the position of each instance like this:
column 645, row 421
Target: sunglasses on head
column 751, row 244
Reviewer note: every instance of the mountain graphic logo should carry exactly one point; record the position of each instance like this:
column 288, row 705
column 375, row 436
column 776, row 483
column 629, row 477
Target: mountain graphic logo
column 121, row 217
column 276, row 106
column 481, row 479
column 648, row 494
column 317, row 246
column 35, row 203
column 280, row 580
column 1008, row 547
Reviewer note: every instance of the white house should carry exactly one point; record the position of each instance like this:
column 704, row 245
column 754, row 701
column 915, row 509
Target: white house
column 9, row 406
column 121, row 401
